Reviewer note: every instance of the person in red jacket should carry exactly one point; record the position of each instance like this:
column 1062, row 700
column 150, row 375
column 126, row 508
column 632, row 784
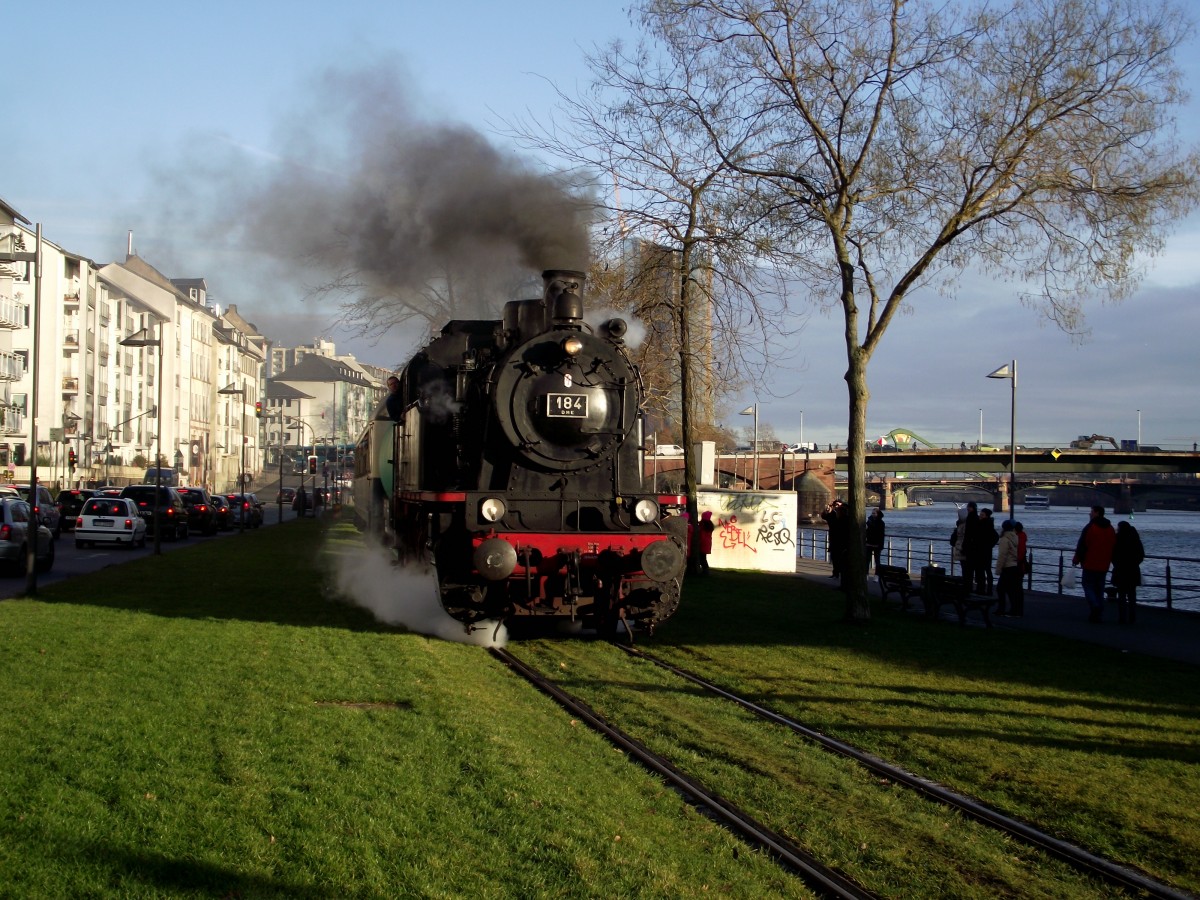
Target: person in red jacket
column 1094, row 554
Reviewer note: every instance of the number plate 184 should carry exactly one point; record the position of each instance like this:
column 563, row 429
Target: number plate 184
column 567, row 406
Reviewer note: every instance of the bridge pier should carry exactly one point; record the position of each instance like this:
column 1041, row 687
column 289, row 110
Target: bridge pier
column 1123, row 505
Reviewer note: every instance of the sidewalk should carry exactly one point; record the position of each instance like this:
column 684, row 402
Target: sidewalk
column 1170, row 634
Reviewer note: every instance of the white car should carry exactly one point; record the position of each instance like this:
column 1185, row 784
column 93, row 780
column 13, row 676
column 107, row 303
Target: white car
column 668, row 450
column 110, row 520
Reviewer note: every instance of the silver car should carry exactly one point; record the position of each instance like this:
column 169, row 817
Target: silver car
column 15, row 519
column 110, row 520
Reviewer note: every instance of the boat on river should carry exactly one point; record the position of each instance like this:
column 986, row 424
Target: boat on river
column 1037, row 501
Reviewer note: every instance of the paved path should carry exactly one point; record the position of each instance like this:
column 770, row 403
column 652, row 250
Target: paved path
column 1171, row 634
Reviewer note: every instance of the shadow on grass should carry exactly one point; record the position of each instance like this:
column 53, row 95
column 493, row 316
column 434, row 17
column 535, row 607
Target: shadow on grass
column 280, row 574
column 912, row 661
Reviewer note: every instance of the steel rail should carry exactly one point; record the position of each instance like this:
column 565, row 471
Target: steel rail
column 1076, row 856
column 818, row 876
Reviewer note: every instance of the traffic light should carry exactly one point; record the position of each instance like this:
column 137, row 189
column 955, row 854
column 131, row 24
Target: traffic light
column 258, row 408
column 71, row 459
column 312, row 465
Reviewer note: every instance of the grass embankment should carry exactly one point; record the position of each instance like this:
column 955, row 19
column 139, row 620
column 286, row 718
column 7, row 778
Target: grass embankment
column 210, row 724
column 1095, row 746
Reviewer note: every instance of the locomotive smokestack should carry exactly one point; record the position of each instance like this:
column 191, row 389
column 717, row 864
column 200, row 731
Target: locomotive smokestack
column 564, row 295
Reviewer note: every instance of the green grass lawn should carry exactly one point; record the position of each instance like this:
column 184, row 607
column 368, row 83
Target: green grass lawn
column 1099, row 747
column 166, row 736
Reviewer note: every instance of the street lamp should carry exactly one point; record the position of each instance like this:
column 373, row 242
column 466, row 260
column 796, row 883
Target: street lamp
column 241, row 393
column 1139, row 443
column 299, row 424
column 1010, row 371
column 753, row 411
column 146, row 341
column 979, row 446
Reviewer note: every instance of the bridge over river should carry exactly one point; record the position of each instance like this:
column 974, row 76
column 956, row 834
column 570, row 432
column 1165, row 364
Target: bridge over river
column 1126, row 475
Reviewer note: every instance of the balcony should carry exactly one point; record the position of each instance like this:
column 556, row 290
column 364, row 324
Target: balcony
column 70, row 385
column 12, row 313
column 71, row 341
column 71, row 300
column 11, row 421
column 12, row 367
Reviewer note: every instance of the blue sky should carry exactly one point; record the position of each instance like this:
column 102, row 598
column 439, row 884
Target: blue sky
column 101, row 96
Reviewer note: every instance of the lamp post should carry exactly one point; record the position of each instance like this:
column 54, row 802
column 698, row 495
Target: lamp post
column 1010, row 371
column 802, row 429
column 753, row 411
column 979, row 446
column 241, row 394
column 1139, row 443
column 146, row 341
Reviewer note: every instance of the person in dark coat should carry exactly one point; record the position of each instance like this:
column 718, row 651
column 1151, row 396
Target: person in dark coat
column 875, row 537
column 706, row 535
column 837, row 517
column 394, row 402
column 300, row 503
column 968, row 548
column 986, row 539
column 1127, row 557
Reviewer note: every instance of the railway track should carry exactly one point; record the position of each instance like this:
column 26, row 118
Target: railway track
column 1081, row 859
column 821, row 878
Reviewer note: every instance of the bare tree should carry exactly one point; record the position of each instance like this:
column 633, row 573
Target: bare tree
column 906, row 141
column 683, row 232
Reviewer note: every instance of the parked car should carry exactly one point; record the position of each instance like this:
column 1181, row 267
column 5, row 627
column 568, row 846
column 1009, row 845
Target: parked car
column 15, row 521
column 202, row 515
column 170, row 506
column 223, row 512
column 247, row 506
column 70, row 501
column 44, row 506
column 110, row 520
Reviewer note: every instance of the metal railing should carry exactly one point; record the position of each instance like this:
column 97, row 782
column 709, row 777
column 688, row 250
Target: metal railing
column 1171, row 581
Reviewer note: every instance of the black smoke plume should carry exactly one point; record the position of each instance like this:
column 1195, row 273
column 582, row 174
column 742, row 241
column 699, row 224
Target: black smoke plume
column 396, row 216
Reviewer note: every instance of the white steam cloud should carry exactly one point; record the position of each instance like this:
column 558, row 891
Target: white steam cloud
column 405, row 596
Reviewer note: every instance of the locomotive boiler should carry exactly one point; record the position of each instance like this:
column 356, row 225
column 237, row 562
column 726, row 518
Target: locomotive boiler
column 513, row 464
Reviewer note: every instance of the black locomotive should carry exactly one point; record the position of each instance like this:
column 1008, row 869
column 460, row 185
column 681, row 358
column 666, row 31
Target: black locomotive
column 514, row 467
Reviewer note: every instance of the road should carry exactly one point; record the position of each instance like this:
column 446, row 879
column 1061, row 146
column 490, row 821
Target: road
column 70, row 562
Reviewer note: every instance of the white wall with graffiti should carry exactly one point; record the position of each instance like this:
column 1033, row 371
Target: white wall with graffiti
column 754, row 529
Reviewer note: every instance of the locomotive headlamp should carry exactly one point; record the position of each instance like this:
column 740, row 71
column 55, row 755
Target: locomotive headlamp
column 572, row 346
column 492, row 509
column 645, row 511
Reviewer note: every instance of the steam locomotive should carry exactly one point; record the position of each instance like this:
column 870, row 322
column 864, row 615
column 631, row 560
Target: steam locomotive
column 512, row 462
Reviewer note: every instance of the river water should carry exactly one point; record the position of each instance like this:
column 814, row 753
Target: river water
column 1171, row 539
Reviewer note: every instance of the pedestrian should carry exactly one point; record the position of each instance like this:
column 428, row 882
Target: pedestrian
column 875, row 538
column 394, row 403
column 969, row 547
column 958, row 541
column 1127, row 557
column 300, row 502
column 1022, row 565
column 1093, row 554
column 986, row 539
column 706, row 535
column 837, row 518
column 1008, row 572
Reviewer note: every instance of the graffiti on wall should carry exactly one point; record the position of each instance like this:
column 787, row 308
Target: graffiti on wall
column 755, row 529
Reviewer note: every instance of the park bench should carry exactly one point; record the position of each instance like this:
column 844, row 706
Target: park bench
column 939, row 589
column 895, row 580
